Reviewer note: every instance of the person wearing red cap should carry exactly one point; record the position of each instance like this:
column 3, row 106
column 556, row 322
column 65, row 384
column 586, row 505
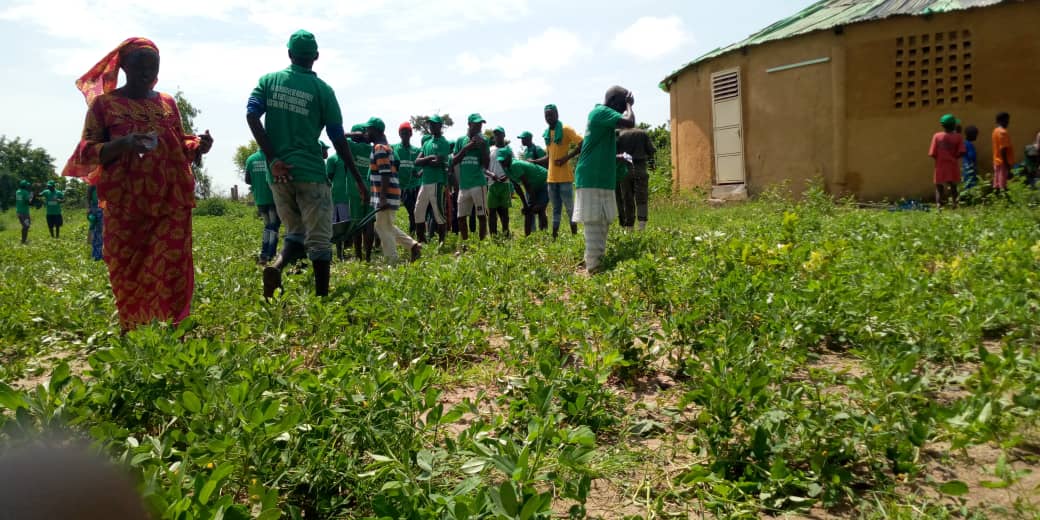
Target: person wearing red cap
column 404, row 156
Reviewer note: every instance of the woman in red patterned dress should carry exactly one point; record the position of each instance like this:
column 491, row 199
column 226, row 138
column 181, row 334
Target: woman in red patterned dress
column 134, row 150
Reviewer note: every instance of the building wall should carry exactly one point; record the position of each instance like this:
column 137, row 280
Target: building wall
column 1005, row 51
column 787, row 116
column 838, row 121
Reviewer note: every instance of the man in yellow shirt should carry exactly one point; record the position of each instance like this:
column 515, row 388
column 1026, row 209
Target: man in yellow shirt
column 559, row 140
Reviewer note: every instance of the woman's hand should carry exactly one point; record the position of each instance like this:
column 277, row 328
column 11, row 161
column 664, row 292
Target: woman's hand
column 205, row 142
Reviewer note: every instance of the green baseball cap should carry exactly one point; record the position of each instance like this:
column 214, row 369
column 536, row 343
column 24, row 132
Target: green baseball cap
column 24, row 184
column 436, row 119
column 500, row 130
column 949, row 120
column 476, row 118
column 525, row 135
column 503, row 153
column 375, row 122
column 50, row 183
column 549, row 107
column 357, row 128
column 303, row 44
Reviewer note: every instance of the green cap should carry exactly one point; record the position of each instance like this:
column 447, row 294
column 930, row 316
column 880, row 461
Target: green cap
column 503, row 153
column 23, row 184
column 549, row 107
column 302, row 44
column 500, row 130
column 476, row 118
column 357, row 128
column 436, row 119
column 50, row 183
column 525, row 135
column 375, row 122
column 948, row 120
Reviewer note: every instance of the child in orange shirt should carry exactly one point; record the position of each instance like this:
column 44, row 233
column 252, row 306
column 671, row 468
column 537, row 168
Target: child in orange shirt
column 1003, row 154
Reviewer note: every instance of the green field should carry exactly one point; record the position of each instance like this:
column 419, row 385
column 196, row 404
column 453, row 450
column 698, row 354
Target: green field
column 764, row 359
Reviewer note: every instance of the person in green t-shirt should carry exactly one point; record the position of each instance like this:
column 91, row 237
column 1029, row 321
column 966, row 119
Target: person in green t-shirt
column 22, row 198
column 531, row 151
column 472, row 157
column 52, row 199
column 531, row 183
column 405, row 155
column 296, row 105
column 263, row 199
column 595, row 176
column 361, row 149
column 433, row 174
column 500, row 189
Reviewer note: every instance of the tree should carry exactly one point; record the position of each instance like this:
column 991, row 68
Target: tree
column 421, row 124
column 661, row 137
column 20, row 160
column 203, row 182
column 242, row 153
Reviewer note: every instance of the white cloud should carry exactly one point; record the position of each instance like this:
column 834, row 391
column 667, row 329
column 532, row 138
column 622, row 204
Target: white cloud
column 527, row 57
column 468, row 63
column 652, row 37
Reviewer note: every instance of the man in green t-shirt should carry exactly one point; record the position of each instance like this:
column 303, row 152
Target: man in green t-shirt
column 432, row 165
column 52, row 199
column 296, row 106
column 500, row 189
column 531, row 151
column 22, row 198
column 531, row 183
column 595, row 176
column 405, row 155
column 361, row 149
column 263, row 199
column 472, row 157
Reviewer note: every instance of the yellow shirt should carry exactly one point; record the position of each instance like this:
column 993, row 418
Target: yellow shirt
column 555, row 151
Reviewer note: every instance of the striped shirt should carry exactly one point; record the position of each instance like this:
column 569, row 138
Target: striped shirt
column 383, row 174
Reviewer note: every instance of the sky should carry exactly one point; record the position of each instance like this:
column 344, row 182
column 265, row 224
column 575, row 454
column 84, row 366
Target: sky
column 384, row 58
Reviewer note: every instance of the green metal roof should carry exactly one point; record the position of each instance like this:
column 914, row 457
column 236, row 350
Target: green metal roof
column 827, row 14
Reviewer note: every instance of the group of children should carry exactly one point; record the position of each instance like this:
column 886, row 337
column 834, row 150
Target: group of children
column 956, row 159
column 50, row 197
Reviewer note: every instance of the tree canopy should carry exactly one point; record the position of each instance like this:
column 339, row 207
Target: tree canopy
column 421, row 123
column 20, row 160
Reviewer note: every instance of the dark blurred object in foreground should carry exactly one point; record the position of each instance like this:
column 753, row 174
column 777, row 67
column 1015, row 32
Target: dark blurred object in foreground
column 57, row 482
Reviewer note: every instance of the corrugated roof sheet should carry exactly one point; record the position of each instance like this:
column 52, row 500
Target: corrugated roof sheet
column 827, row 14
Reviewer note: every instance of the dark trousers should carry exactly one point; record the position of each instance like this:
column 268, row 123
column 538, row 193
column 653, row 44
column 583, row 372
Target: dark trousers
column 633, row 196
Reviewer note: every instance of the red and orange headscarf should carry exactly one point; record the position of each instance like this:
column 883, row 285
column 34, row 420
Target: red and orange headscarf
column 102, row 77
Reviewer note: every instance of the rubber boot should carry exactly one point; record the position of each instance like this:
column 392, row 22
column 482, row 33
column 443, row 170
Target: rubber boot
column 420, row 231
column 291, row 252
column 442, row 232
column 574, row 228
column 321, row 277
column 57, row 232
column 556, row 231
column 25, row 235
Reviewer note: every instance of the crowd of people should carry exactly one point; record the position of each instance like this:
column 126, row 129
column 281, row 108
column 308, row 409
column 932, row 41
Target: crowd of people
column 137, row 160
column 463, row 185
column 957, row 163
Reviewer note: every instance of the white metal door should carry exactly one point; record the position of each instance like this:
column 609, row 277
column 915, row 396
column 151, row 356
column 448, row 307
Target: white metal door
column 726, row 123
